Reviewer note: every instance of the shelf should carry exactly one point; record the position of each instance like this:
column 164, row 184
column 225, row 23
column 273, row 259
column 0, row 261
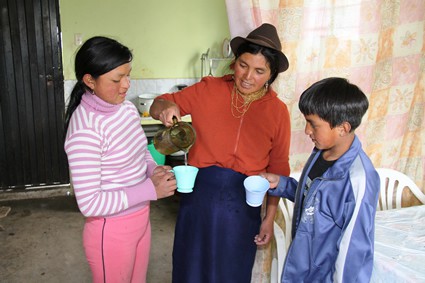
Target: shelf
column 151, row 121
column 221, row 59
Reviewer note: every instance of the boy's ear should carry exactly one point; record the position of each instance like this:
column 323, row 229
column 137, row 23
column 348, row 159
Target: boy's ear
column 344, row 129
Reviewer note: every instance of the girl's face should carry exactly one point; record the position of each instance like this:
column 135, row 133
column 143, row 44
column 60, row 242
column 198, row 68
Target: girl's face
column 112, row 86
column 251, row 72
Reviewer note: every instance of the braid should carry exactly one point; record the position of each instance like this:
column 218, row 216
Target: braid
column 74, row 100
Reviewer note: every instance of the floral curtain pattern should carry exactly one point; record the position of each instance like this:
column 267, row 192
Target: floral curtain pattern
column 377, row 44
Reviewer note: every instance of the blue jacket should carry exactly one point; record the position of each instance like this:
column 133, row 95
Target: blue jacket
column 333, row 233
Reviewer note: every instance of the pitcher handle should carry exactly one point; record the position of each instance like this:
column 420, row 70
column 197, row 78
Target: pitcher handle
column 175, row 121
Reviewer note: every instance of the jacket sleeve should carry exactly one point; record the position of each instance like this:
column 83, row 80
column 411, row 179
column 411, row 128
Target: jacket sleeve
column 286, row 188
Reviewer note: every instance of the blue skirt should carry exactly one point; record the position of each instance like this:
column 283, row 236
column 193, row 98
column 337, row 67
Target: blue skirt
column 215, row 229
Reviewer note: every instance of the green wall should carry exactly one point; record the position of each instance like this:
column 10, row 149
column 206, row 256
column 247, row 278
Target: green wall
column 167, row 37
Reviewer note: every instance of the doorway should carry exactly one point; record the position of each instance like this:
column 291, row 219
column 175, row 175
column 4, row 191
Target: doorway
column 31, row 95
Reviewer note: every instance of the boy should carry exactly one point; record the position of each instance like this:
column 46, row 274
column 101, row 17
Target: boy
column 337, row 194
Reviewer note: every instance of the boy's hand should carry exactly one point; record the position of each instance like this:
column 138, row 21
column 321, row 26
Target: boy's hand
column 272, row 178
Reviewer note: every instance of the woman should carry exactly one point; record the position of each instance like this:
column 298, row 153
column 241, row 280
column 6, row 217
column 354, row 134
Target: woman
column 243, row 129
column 113, row 174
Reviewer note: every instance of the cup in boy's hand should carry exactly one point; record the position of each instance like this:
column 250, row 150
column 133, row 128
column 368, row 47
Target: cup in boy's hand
column 255, row 188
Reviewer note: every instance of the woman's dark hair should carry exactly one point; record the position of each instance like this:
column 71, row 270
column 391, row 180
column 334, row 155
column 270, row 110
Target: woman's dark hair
column 270, row 55
column 97, row 56
column 335, row 100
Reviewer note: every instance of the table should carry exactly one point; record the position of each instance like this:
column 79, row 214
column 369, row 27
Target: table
column 400, row 245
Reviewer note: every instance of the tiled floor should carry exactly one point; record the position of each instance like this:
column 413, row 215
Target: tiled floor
column 40, row 241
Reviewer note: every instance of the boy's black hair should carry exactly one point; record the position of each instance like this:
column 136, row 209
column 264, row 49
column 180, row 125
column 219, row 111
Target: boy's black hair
column 335, row 100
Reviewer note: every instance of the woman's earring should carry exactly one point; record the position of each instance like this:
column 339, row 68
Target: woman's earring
column 266, row 85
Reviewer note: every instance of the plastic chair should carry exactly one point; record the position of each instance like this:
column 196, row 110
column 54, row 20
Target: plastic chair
column 282, row 235
column 393, row 184
column 283, row 238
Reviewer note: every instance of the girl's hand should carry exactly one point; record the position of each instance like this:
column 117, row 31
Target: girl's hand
column 164, row 181
column 161, row 168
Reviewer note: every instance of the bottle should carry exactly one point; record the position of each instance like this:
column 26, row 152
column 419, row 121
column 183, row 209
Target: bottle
column 180, row 136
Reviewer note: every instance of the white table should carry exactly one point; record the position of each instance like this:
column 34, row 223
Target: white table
column 400, row 245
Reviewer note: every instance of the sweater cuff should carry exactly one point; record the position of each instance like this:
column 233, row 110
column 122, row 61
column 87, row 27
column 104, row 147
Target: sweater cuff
column 141, row 193
column 151, row 165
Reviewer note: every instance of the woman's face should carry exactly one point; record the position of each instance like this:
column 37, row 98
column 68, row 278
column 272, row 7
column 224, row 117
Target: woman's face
column 112, row 86
column 252, row 71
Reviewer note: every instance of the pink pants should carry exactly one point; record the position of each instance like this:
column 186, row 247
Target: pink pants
column 117, row 249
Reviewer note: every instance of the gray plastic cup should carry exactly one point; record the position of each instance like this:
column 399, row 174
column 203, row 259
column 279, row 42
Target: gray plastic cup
column 255, row 188
column 185, row 177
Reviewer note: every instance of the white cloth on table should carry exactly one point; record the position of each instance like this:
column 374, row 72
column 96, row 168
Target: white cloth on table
column 400, row 245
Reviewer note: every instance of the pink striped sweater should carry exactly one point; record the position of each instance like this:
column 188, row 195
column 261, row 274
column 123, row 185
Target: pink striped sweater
column 108, row 158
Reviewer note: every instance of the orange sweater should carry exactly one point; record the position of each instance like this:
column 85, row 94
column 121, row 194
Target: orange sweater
column 257, row 142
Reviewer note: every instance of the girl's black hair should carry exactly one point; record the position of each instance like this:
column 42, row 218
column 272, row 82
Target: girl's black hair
column 97, row 56
column 270, row 55
column 335, row 100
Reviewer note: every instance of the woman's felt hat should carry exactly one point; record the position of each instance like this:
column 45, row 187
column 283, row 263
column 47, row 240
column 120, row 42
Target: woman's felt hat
column 265, row 35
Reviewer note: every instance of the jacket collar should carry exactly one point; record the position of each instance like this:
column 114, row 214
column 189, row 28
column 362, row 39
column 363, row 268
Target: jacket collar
column 342, row 165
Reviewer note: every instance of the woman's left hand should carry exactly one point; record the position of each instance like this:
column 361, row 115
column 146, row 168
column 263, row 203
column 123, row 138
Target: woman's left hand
column 266, row 233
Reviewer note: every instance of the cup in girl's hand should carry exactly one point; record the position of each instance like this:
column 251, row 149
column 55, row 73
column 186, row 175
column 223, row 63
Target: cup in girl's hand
column 255, row 189
column 185, row 177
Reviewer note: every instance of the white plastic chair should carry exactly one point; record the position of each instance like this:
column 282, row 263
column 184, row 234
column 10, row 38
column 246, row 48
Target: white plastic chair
column 283, row 235
column 393, row 184
column 283, row 239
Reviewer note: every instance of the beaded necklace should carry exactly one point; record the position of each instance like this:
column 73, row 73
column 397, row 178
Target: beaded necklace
column 241, row 102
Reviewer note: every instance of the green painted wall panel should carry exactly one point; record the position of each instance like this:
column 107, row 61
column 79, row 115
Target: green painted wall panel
column 167, row 36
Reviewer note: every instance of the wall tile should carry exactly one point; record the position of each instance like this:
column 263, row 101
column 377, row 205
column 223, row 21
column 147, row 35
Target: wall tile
column 140, row 86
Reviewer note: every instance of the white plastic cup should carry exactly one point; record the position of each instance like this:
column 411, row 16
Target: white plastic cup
column 255, row 188
column 185, row 177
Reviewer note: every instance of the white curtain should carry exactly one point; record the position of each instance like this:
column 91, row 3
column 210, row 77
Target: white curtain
column 378, row 45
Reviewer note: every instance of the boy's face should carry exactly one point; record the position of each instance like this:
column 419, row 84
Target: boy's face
column 321, row 134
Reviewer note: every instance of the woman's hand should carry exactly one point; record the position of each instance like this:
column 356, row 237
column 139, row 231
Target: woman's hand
column 165, row 110
column 164, row 181
column 266, row 232
column 267, row 226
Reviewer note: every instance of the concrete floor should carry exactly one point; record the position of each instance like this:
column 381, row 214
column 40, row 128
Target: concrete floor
column 40, row 241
